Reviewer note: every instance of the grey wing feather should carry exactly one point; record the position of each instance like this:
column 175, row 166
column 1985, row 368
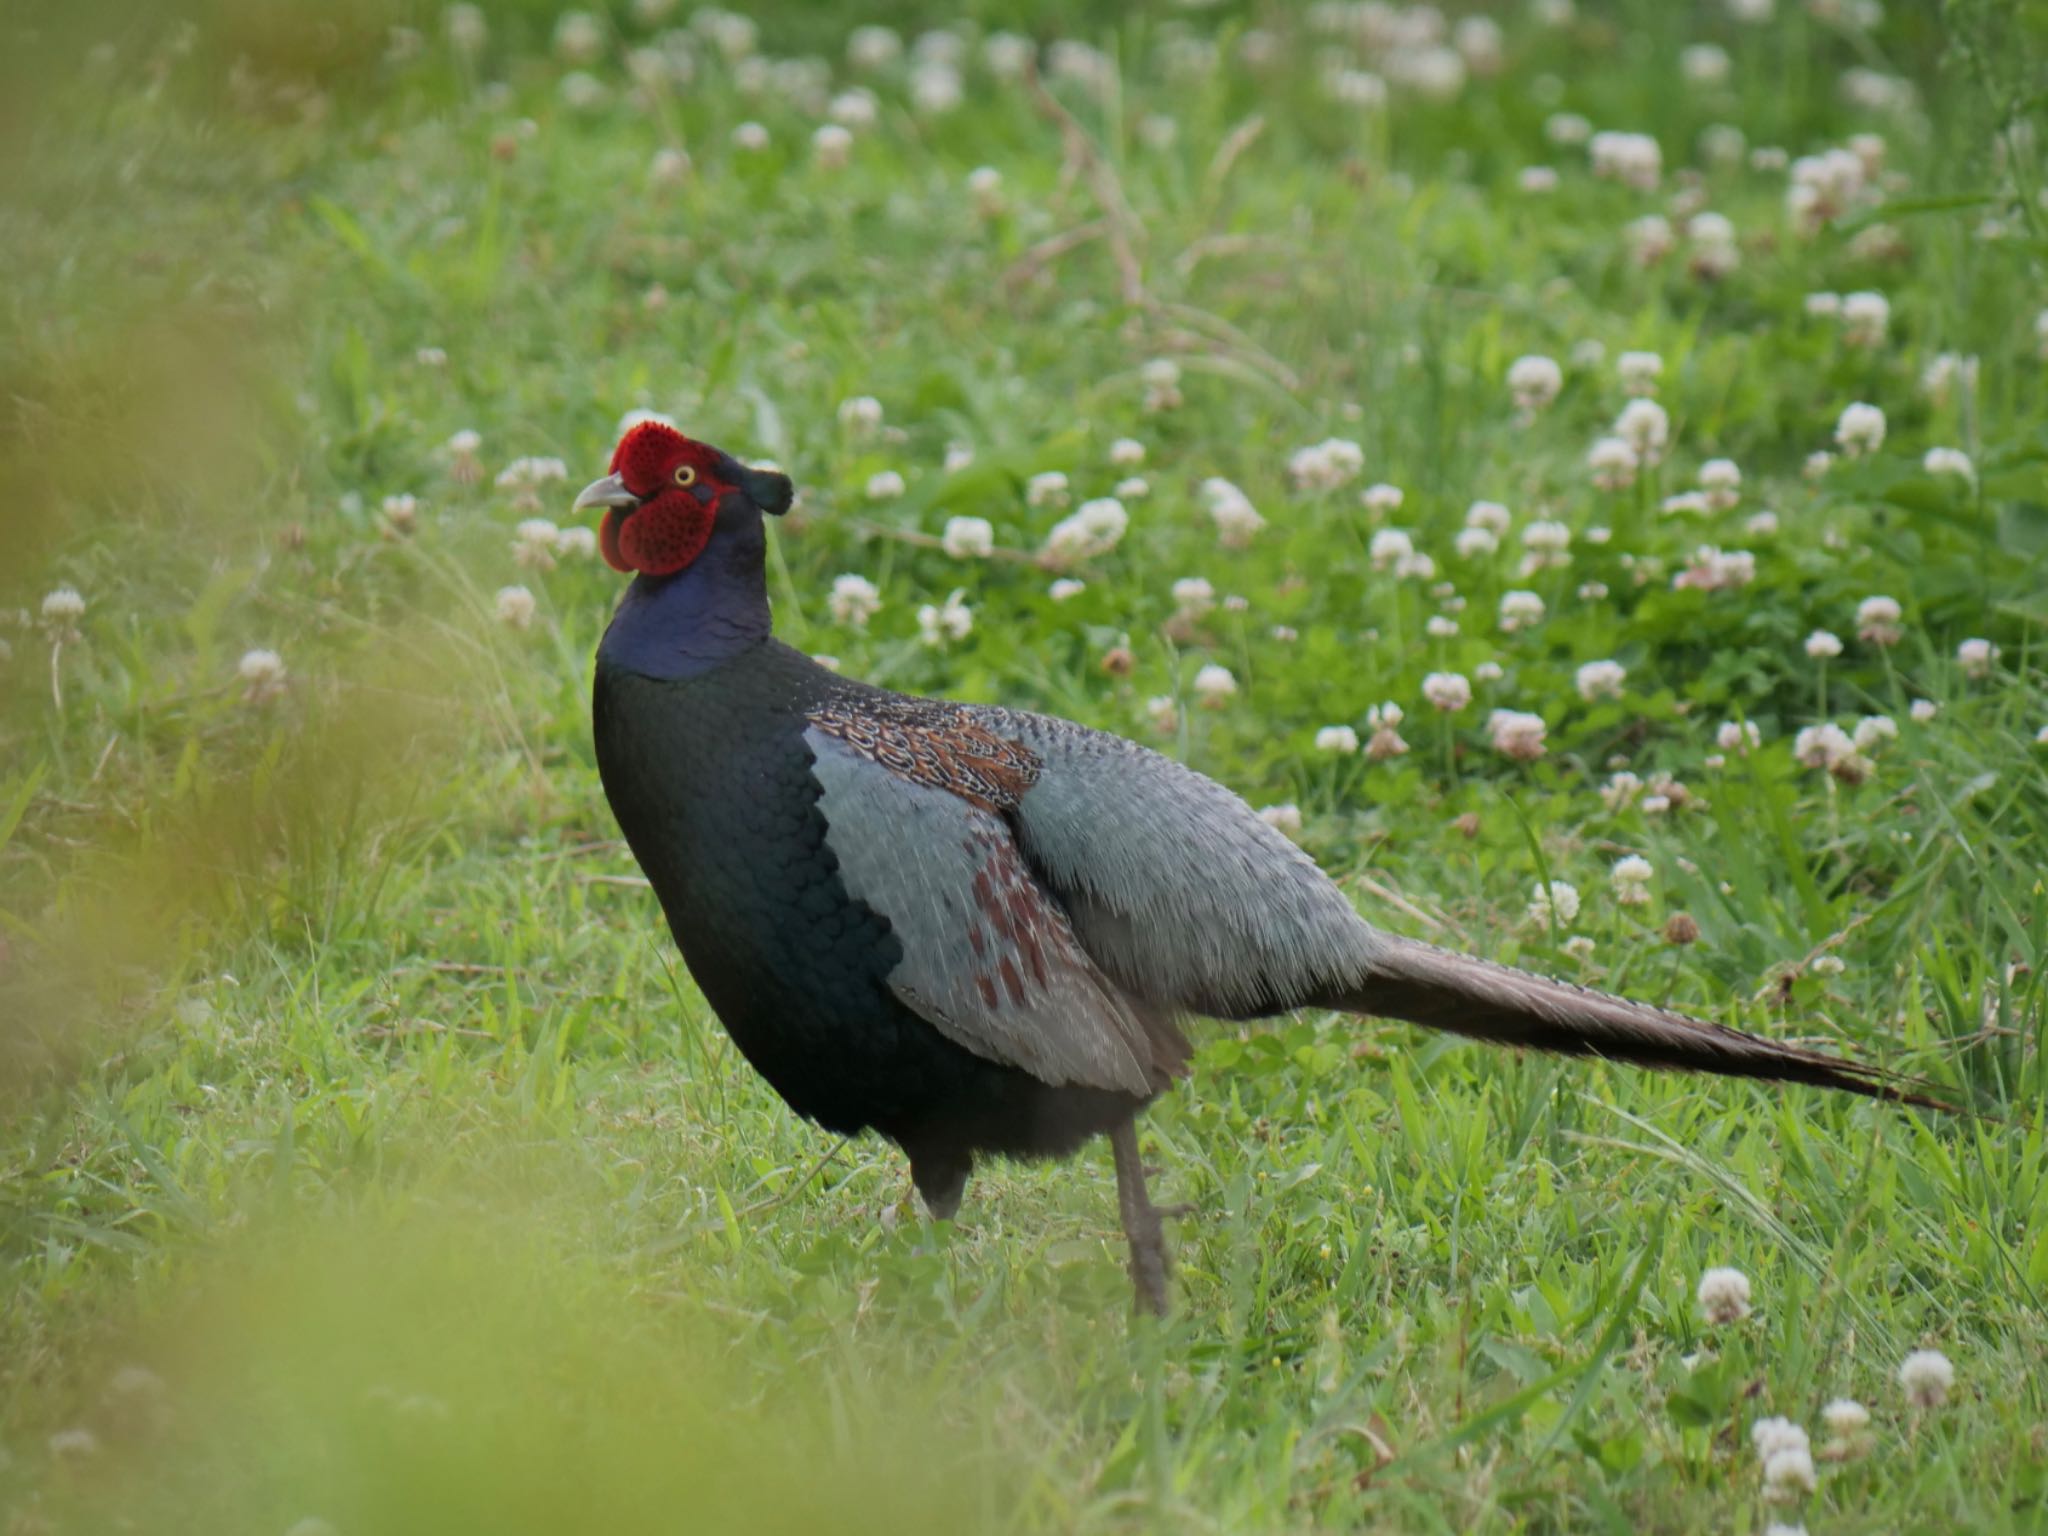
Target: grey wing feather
column 1177, row 888
column 988, row 958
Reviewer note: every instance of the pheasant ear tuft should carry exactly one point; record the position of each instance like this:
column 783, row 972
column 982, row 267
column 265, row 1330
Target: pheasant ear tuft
column 769, row 489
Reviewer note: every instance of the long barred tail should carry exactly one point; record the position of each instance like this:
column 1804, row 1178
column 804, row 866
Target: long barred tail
column 1442, row 990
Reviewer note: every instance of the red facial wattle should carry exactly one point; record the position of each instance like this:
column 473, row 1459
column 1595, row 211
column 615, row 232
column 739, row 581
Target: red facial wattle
column 659, row 537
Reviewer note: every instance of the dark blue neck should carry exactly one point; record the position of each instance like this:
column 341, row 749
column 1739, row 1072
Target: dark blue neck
column 701, row 617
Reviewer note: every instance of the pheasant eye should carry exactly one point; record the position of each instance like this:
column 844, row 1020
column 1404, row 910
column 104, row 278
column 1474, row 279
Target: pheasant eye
column 686, row 474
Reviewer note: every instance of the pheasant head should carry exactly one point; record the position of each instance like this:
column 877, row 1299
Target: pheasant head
column 665, row 495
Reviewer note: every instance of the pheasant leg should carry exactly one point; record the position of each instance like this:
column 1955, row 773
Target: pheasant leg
column 1141, row 1221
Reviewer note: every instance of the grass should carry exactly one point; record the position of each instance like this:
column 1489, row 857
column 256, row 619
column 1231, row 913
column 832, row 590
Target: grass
column 355, row 1093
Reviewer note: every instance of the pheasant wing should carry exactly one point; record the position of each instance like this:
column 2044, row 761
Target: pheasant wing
column 914, row 795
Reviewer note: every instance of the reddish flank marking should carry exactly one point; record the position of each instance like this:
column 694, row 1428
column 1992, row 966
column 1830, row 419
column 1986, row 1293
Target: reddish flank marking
column 986, row 987
column 1012, row 982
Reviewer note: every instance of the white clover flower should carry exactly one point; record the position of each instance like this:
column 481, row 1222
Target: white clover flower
column 1923, row 710
column 1512, row 733
column 1193, row 597
column 1126, row 453
column 1633, row 159
column 401, row 513
column 873, row 47
column 1479, row 43
column 62, row 609
column 1520, row 610
column 1877, row 621
column 1976, row 657
column 466, row 28
column 940, row 623
column 1215, row 686
column 1326, row 465
column 1382, row 500
column 1721, row 480
column 1555, row 902
column 1645, row 427
column 1823, row 645
column 1865, row 318
column 73, row 1445
column 831, row 146
column 1824, row 306
column 1825, row 746
column 1388, row 547
column 1817, row 464
column 1613, row 461
column 1488, row 672
column 1161, row 378
column 1712, row 569
column 1164, row 713
column 1620, row 791
column 578, row 37
column 1688, row 503
column 582, row 92
column 1284, row 818
column 1490, row 515
column 1537, row 180
column 515, row 607
column 1008, row 54
column 936, row 89
column 1872, row 731
column 1715, row 253
column 1788, row 1475
column 856, row 107
column 1237, row 520
column 1738, row 736
column 854, row 600
column 1132, row 488
column 1534, row 381
column 1723, row 1293
column 861, row 415
column 750, row 137
column 1339, row 739
column 1631, row 878
column 1640, row 372
column 1548, row 544
column 885, row 485
column 262, row 674
column 1845, row 1416
column 1096, row 528
column 1066, row 589
column 1384, row 720
column 1949, row 461
column 1601, row 680
column 1704, row 64
column 1440, row 627
column 968, row 538
column 985, row 191
column 1471, row 543
column 534, row 543
column 1770, row 1436
column 1649, row 239
column 1048, row 488
column 1567, row 129
column 958, row 457
column 1359, row 88
column 1860, row 430
column 1447, row 691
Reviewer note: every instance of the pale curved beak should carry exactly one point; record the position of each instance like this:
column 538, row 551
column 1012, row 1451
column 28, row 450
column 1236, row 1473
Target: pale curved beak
column 609, row 492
